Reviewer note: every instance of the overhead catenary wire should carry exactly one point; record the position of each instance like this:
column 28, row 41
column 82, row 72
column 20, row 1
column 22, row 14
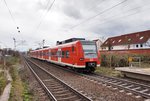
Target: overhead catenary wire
column 124, row 16
column 97, row 3
column 46, row 6
column 49, row 8
column 10, row 13
column 90, row 18
column 128, row 15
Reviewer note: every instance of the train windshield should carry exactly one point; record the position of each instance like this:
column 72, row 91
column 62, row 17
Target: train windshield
column 89, row 48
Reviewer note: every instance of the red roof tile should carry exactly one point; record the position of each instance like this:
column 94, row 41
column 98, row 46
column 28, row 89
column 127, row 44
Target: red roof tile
column 133, row 38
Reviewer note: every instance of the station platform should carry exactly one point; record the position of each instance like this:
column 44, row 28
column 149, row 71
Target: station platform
column 135, row 72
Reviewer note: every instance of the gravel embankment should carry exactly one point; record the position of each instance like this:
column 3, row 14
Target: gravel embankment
column 98, row 92
column 34, row 87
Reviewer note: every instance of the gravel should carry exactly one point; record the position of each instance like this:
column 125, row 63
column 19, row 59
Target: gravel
column 98, row 92
column 34, row 87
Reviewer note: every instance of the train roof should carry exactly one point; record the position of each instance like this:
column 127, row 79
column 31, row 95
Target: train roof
column 68, row 41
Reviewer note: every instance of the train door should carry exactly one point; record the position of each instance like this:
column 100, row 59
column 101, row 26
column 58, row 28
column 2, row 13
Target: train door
column 49, row 54
column 59, row 55
column 42, row 54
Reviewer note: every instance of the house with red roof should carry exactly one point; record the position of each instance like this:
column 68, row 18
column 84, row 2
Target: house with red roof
column 133, row 41
column 98, row 43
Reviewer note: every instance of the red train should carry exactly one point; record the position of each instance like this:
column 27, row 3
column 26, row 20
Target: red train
column 76, row 53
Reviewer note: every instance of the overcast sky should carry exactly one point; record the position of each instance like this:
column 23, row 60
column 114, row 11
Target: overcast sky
column 90, row 19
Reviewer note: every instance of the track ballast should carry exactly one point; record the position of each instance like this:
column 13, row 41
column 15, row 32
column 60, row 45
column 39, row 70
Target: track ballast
column 56, row 89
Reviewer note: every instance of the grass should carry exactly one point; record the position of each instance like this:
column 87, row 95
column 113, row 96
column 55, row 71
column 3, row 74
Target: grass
column 27, row 96
column 19, row 90
column 3, row 81
column 108, row 71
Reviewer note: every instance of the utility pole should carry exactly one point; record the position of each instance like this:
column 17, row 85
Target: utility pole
column 14, row 44
column 43, row 42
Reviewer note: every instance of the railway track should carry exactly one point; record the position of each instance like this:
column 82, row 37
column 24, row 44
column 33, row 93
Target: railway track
column 56, row 89
column 118, row 83
column 132, row 87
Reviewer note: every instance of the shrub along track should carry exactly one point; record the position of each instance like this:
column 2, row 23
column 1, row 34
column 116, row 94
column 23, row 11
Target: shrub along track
column 96, row 90
column 56, row 89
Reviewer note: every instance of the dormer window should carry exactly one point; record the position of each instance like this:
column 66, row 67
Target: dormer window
column 141, row 37
column 119, row 40
column 129, row 39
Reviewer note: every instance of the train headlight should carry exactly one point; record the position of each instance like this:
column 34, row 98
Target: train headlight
column 81, row 59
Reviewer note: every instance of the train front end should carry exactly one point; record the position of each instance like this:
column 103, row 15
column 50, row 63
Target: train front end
column 90, row 55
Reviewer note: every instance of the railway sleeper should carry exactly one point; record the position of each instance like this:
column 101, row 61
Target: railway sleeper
column 125, row 84
column 145, row 90
column 137, row 88
column 55, row 90
column 129, row 86
column 64, row 94
column 63, row 91
column 70, row 98
column 52, row 84
column 55, row 87
column 113, row 81
column 60, row 87
column 48, row 80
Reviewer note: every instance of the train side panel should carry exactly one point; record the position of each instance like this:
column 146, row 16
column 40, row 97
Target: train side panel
column 81, row 55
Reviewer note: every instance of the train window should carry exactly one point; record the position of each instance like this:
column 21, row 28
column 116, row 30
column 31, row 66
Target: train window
column 72, row 48
column 49, row 53
column 40, row 53
column 43, row 53
column 58, row 53
column 63, row 54
column 67, row 54
column 52, row 54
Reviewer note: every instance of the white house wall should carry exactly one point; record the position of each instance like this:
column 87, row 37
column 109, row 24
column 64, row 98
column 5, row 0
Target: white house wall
column 120, row 47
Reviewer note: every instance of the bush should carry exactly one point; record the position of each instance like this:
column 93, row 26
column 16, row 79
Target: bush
column 121, row 60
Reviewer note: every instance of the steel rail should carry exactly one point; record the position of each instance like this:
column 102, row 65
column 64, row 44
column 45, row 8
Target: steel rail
column 133, row 87
column 124, row 84
column 63, row 83
column 51, row 96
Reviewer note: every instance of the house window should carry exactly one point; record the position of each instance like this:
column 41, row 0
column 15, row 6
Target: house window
column 137, row 46
column 141, row 45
